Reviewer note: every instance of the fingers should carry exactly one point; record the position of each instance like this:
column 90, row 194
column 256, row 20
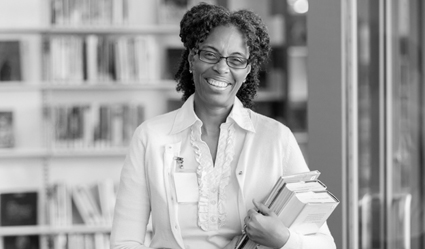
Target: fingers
column 262, row 208
column 248, row 221
column 247, row 218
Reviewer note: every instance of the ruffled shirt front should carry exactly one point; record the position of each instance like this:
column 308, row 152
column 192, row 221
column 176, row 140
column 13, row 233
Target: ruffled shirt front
column 216, row 211
column 213, row 179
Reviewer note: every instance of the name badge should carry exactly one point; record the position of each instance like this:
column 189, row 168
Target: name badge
column 186, row 187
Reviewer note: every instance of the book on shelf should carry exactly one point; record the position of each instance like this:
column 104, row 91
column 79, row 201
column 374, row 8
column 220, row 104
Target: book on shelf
column 105, row 193
column 99, row 59
column 88, row 12
column 301, row 201
column 21, row 242
column 94, row 125
column 7, row 134
column 10, row 61
column 19, row 208
column 59, row 205
column 90, row 204
column 97, row 240
column 87, row 206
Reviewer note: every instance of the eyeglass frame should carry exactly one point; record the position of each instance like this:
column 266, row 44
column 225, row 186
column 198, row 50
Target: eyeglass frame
column 221, row 57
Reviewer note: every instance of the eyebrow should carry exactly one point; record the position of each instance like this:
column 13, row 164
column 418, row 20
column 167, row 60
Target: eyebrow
column 215, row 50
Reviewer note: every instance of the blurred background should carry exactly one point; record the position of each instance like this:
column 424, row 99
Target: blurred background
column 78, row 76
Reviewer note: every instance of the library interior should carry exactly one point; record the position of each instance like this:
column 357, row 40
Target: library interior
column 77, row 77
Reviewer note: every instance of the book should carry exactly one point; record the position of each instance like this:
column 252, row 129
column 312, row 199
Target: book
column 21, row 242
column 10, row 61
column 7, row 139
column 302, row 203
column 105, row 191
column 59, row 205
column 87, row 205
column 19, row 208
column 307, row 211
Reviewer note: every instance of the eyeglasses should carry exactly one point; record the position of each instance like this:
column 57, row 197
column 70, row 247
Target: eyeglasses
column 213, row 58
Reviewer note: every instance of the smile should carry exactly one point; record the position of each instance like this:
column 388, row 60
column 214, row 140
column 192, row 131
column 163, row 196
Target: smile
column 218, row 84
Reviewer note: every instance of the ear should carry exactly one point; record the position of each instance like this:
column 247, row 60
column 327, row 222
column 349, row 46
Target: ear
column 190, row 58
column 248, row 70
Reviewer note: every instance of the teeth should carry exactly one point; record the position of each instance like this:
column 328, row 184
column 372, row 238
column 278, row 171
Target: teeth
column 217, row 83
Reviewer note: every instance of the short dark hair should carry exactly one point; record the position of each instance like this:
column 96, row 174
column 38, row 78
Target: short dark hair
column 197, row 24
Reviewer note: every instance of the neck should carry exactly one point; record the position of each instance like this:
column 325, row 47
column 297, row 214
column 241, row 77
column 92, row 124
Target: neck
column 212, row 117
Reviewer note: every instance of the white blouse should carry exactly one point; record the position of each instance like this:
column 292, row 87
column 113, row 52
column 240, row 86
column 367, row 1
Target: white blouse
column 214, row 220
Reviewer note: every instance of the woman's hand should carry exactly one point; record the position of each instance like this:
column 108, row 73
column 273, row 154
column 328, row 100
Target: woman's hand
column 265, row 228
column 232, row 244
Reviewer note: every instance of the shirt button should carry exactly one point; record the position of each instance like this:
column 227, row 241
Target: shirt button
column 213, row 219
column 175, row 226
column 213, row 202
column 214, row 190
column 172, row 198
column 240, row 172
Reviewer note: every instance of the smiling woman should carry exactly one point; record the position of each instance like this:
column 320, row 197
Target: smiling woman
column 195, row 29
column 217, row 83
column 196, row 171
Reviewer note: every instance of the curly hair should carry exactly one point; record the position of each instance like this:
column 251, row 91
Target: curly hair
column 195, row 27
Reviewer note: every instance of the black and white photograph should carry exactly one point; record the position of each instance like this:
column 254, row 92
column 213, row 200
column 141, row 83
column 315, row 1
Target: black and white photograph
column 212, row 124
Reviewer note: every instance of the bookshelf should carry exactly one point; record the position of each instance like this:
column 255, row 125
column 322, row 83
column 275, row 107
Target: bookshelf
column 49, row 230
column 35, row 162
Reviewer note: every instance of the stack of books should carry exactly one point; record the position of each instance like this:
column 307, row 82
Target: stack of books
column 301, row 201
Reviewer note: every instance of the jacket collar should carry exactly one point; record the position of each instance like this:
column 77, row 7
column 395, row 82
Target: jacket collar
column 186, row 116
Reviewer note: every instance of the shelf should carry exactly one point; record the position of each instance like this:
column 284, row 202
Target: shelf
column 140, row 85
column 46, row 230
column 102, row 30
column 159, row 85
column 22, row 153
column 60, row 153
column 19, row 86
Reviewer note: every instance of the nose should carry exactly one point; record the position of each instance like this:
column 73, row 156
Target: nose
column 221, row 66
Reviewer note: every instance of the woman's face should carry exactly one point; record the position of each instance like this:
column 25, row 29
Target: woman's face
column 216, row 84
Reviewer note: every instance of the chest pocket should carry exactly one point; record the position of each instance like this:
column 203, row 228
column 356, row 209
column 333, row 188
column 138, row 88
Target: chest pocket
column 180, row 175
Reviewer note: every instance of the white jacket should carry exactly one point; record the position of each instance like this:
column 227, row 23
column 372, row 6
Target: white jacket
column 269, row 151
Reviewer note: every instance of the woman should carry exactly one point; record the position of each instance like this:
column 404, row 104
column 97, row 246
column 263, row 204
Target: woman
column 197, row 170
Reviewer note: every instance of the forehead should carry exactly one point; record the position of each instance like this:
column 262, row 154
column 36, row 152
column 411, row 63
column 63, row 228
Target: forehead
column 226, row 40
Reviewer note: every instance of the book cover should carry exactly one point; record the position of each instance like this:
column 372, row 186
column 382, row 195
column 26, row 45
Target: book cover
column 19, row 208
column 7, row 138
column 10, row 61
column 87, row 206
column 21, row 242
column 59, row 205
column 105, row 191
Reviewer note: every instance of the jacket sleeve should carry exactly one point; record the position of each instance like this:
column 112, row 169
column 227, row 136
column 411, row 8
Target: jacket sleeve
column 323, row 238
column 132, row 208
